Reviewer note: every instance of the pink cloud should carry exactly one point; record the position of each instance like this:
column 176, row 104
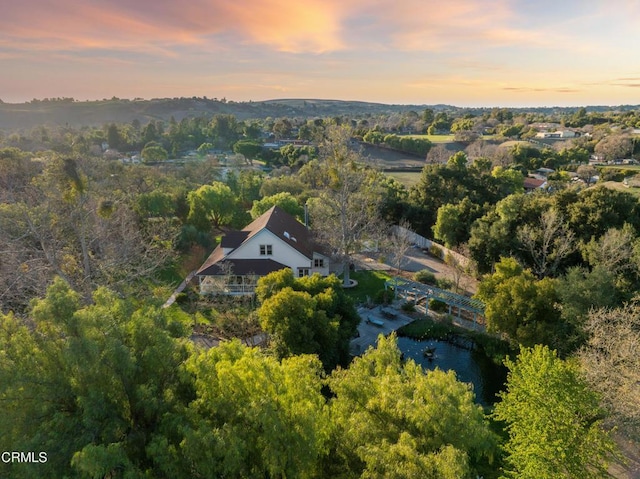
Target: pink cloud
column 285, row 25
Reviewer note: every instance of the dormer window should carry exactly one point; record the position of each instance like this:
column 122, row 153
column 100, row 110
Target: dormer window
column 266, row 250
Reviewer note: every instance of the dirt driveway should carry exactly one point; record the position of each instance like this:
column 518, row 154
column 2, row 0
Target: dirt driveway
column 417, row 260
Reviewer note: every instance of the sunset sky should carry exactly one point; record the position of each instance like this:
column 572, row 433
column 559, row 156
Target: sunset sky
column 460, row 52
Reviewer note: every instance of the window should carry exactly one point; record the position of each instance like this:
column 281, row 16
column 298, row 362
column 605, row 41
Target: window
column 318, row 263
column 303, row 272
column 266, row 250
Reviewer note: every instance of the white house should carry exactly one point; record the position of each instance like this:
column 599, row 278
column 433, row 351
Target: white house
column 558, row 134
column 532, row 184
column 274, row 241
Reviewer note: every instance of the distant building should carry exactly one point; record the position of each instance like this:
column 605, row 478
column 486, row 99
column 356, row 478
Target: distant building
column 532, row 184
column 559, row 134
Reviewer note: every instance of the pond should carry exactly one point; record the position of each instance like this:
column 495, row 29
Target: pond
column 470, row 366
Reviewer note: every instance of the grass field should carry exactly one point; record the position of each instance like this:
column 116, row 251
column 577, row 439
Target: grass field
column 620, row 167
column 407, row 178
column 369, row 284
column 616, row 185
column 446, row 138
column 435, row 138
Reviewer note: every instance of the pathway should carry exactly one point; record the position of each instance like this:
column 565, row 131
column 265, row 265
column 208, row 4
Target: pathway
column 179, row 289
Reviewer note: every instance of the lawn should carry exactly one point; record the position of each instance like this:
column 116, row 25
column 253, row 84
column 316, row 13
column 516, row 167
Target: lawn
column 622, row 168
column 446, row 138
column 616, row 185
column 370, row 283
column 407, row 178
column 435, row 138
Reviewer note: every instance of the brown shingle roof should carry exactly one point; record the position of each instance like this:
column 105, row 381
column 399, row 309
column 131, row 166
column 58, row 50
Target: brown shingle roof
column 280, row 222
column 242, row 267
column 233, row 239
column 533, row 183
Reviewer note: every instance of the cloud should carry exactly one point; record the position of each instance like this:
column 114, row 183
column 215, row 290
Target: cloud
column 542, row 89
column 291, row 26
column 158, row 26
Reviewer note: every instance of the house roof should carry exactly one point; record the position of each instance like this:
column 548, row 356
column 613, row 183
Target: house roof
column 533, row 183
column 285, row 227
column 241, row 267
column 279, row 223
column 233, row 239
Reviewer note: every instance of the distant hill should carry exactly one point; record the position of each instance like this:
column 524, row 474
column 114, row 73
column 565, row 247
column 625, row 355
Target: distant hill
column 81, row 113
column 66, row 111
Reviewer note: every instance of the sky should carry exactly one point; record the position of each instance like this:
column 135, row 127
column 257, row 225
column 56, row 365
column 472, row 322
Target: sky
column 424, row 52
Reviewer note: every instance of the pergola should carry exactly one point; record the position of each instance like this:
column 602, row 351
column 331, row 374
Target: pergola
column 416, row 292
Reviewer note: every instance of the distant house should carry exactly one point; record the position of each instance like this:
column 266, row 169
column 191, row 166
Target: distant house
column 532, row 184
column 274, row 241
column 544, row 172
column 559, row 134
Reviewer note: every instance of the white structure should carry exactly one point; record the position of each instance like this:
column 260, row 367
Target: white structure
column 274, row 241
column 560, row 134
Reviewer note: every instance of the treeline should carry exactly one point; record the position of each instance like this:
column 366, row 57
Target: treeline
column 116, row 389
column 415, row 146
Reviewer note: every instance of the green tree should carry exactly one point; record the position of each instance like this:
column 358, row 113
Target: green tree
column 95, row 387
column 211, row 206
column 598, row 209
column 307, row 315
column 511, row 181
column 153, row 153
column 520, row 306
column 254, row 416
column 453, row 222
column 283, row 200
column 553, row 420
column 155, row 204
column 114, row 137
column 458, row 161
column 393, row 420
column 296, row 326
column 250, row 149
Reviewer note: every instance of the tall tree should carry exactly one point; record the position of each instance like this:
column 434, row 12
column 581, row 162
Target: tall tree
column 94, row 387
column 283, row 200
column 307, row 315
column 211, row 206
column 553, row 420
column 547, row 243
column 393, row 420
column 254, row 416
column 520, row 306
column 346, row 210
column 611, row 363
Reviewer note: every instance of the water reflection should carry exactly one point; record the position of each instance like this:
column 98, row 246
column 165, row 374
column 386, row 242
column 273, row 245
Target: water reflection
column 470, row 366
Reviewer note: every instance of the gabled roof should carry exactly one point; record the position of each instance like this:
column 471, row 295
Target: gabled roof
column 280, row 223
column 233, row 239
column 241, row 267
column 533, row 183
column 285, row 227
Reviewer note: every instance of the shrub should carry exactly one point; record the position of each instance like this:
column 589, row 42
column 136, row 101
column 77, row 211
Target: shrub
column 437, row 306
column 444, row 283
column 384, row 296
column 425, row 276
column 435, row 250
column 408, row 307
column 182, row 298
